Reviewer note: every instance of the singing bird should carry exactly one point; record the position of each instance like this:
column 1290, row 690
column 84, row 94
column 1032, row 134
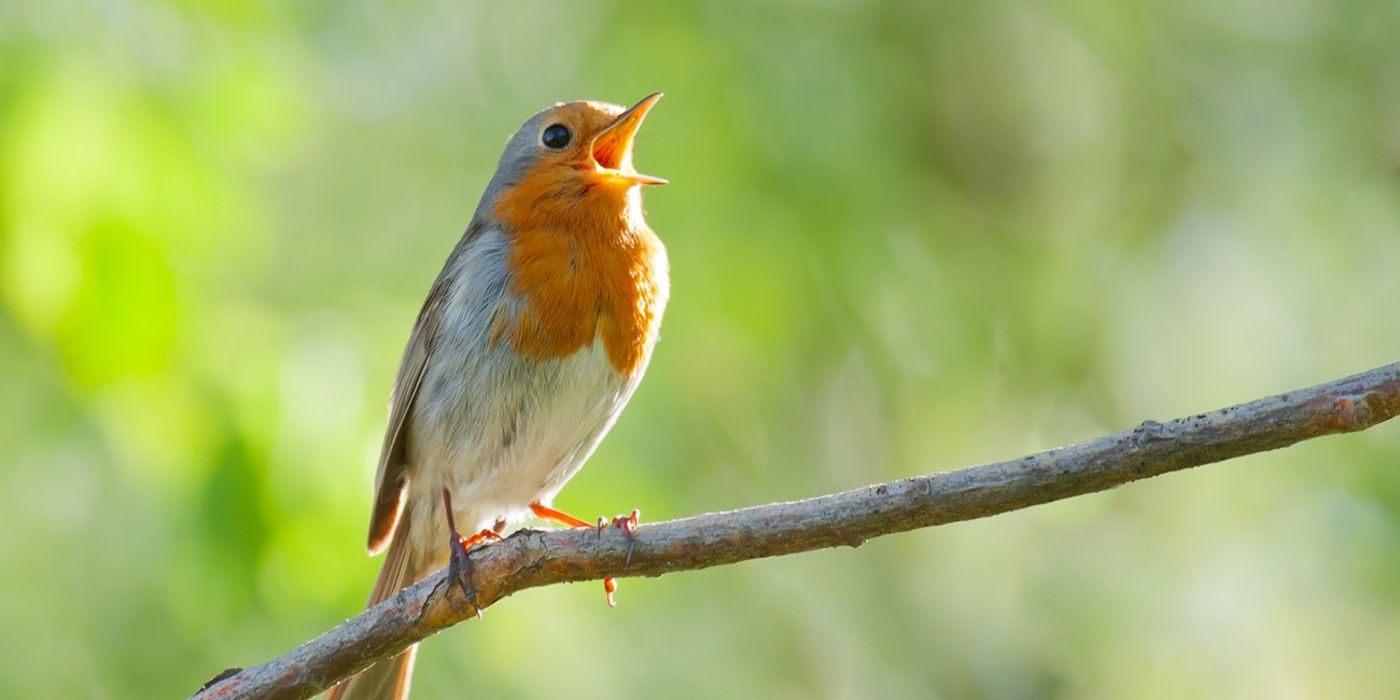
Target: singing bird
column 531, row 340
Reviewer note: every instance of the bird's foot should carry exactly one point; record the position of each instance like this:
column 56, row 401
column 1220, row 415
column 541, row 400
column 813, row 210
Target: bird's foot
column 459, row 568
column 628, row 523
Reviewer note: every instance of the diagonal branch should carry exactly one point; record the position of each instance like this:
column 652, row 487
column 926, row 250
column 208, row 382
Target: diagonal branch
column 531, row 558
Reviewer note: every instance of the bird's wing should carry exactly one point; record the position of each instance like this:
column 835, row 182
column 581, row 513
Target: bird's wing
column 391, row 481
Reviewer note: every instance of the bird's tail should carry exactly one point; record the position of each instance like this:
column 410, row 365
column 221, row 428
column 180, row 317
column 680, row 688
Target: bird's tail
column 387, row 679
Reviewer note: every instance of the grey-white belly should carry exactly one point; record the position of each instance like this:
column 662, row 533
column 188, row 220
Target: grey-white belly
column 501, row 432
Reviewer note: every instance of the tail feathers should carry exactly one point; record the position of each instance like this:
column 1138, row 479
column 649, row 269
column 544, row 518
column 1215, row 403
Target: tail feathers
column 388, row 679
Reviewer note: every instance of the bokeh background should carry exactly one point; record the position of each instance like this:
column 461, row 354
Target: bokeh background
column 906, row 237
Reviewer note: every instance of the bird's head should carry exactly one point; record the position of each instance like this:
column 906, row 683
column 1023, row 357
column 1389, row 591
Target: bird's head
column 570, row 161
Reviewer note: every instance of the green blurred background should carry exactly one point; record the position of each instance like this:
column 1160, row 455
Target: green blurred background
column 905, row 237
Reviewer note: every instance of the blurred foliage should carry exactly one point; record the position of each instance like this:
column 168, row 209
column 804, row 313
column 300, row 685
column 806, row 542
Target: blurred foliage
column 906, row 236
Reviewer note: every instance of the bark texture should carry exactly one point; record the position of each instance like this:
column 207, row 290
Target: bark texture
column 532, row 558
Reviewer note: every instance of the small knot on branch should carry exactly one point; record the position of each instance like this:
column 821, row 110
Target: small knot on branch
column 1351, row 415
column 1150, row 430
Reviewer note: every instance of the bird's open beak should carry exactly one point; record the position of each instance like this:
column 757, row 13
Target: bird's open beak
column 612, row 147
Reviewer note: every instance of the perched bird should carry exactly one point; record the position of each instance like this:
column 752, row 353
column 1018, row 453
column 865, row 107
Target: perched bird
column 530, row 342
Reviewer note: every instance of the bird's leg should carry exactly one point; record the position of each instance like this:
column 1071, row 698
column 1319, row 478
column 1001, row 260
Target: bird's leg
column 460, row 568
column 627, row 523
column 544, row 512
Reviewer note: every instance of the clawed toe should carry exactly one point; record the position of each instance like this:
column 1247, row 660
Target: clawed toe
column 459, row 571
column 628, row 524
column 459, row 568
column 609, row 588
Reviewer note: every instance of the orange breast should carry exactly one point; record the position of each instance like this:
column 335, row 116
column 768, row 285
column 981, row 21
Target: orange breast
column 589, row 269
column 577, row 286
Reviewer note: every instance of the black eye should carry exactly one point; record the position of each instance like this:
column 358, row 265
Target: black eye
column 556, row 136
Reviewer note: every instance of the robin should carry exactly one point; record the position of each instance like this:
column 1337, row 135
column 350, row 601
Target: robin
column 531, row 340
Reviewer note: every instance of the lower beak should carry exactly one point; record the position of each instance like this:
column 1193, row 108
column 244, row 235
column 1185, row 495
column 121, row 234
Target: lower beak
column 612, row 147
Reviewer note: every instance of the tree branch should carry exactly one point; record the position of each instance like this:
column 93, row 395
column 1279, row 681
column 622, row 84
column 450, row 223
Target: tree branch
column 532, row 558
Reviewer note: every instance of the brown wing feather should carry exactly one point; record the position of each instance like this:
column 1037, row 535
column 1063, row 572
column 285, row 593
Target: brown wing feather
column 391, row 481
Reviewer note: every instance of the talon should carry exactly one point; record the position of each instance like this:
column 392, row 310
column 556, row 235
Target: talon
column 459, row 571
column 629, row 528
column 478, row 538
column 459, row 568
column 628, row 523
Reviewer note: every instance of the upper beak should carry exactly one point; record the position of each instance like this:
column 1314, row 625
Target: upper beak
column 612, row 147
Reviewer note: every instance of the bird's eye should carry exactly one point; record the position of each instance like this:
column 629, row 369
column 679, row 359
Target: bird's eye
column 556, row 136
